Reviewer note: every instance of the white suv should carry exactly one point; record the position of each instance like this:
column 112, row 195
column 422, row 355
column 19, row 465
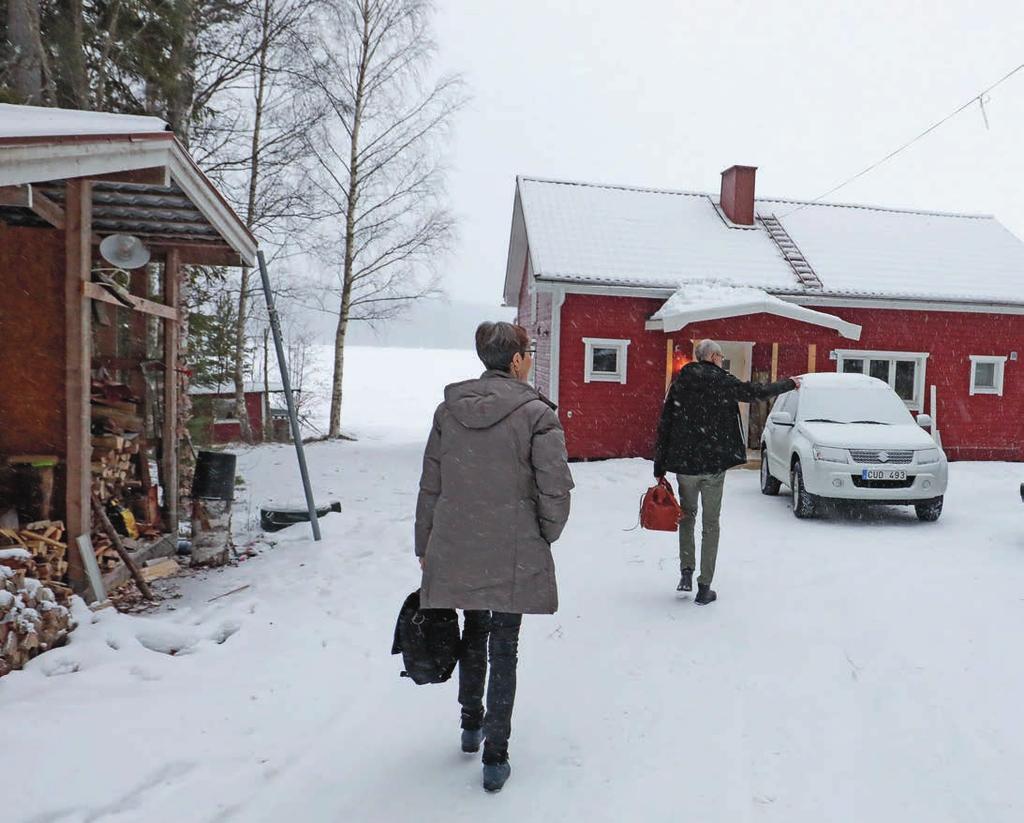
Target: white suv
column 850, row 437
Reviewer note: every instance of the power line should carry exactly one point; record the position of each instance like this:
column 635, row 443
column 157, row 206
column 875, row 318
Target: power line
column 977, row 98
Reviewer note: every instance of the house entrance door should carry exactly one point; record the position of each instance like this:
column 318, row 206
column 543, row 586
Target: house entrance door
column 738, row 359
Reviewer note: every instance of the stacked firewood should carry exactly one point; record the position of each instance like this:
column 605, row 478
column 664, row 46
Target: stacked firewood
column 112, row 473
column 32, row 616
column 106, row 555
column 47, row 549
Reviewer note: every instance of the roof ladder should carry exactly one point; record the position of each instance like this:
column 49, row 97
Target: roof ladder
column 790, row 252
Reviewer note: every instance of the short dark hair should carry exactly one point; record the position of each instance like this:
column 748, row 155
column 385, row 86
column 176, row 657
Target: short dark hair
column 497, row 343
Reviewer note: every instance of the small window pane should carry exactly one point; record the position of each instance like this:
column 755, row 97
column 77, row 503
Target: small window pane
column 853, row 367
column 984, row 375
column 605, row 360
column 879, row 369
column 906, row 374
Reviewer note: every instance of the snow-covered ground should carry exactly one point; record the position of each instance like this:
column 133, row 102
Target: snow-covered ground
column 852, row 669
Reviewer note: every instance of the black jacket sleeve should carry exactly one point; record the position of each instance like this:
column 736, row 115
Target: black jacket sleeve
column 664, row 438
column 736, row 389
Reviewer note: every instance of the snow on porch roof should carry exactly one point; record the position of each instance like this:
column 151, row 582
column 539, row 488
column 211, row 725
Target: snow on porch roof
column 632, row 237
column 35, row 121
column 713, row 301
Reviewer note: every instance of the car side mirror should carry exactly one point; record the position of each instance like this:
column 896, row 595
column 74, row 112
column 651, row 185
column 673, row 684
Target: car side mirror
column 924, row 421
column 782, row 418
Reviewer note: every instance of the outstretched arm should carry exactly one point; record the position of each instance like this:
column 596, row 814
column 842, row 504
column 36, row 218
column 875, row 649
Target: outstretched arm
column 745, row 392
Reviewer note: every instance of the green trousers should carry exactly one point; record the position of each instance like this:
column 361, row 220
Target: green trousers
column 708, row 488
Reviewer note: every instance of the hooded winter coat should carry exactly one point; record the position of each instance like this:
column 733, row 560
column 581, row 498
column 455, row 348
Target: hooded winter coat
column 699, row 431
column 494, row 496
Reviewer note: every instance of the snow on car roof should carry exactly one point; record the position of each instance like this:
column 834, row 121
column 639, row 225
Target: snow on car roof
column 833, row 380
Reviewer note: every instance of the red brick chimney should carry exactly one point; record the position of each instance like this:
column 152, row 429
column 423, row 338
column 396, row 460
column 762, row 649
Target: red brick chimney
column 737, row 198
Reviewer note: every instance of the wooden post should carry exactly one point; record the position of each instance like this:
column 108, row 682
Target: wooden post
column 775, row 362
column 172, row 282
column 812, row 358
column 668, row 363
column 78, row 357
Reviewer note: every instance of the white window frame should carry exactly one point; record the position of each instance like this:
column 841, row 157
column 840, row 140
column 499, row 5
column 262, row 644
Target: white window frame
column 591, row 376
column 999, row 363
column 920, row 357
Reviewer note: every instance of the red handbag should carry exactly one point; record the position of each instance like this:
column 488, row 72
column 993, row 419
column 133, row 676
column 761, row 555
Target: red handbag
column 659, row 509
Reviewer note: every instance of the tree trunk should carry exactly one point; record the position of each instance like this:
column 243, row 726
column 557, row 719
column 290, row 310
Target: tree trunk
column 69, row 37
column 352, row 203
column 23, row 34
column 250, row 217
column 183, row 64
column 339, row 363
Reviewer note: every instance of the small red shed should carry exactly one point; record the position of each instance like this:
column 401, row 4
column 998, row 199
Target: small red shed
column 616, row 284
column 213, row 410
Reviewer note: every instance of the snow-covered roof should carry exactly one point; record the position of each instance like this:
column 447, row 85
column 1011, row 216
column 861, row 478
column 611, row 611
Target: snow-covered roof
column 652, row 238
column 35, row 121
column 229, row 389
column 146, row 183
column 709, row 300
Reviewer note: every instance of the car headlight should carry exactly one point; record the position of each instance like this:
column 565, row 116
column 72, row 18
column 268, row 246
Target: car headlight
column 927, row 456
column 830, row 455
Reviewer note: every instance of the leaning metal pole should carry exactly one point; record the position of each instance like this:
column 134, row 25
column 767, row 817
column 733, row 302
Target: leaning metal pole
column 275, row 326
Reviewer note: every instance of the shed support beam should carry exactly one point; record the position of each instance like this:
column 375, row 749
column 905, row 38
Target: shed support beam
column 172, row 274
column 78, row 356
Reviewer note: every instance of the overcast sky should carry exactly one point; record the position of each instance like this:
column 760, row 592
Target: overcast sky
column 668, row 94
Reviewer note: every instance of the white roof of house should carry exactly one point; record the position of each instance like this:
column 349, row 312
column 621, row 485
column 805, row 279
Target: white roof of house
column 637, row 237
column 34, row 121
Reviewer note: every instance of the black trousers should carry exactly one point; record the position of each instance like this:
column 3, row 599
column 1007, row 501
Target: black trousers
column 498, row 633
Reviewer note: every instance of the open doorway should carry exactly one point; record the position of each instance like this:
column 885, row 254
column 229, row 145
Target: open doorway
column 739, row 357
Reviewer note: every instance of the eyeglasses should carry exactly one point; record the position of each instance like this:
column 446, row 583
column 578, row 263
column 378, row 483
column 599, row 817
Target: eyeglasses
column 530, row 350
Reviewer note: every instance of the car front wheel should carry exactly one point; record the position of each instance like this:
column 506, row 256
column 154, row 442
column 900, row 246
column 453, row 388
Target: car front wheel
column 930, row 510
column 803, row 503
column 769, row 485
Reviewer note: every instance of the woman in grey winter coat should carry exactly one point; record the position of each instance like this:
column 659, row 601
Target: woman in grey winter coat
column 494, row 496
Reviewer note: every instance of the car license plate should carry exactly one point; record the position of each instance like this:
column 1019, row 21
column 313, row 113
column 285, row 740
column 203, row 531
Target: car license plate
column 883, row 474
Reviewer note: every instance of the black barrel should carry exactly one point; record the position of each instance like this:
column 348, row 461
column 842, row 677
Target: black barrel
column 215, row 476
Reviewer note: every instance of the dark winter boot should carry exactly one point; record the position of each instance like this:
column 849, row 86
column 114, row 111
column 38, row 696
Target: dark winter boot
column 704, row 594
column 686, row 581
column 495, row 775
column 471, row 740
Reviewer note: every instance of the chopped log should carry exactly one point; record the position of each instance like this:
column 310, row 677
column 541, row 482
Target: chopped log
column 164, row 567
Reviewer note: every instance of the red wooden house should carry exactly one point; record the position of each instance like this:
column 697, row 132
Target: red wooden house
column 616, row 283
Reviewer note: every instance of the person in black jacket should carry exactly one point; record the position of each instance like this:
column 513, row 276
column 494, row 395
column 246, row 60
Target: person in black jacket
column 699, row 438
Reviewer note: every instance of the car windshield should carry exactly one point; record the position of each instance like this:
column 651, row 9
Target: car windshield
column 836, row 404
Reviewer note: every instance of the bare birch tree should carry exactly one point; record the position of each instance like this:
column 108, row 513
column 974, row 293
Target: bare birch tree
column 379, row 159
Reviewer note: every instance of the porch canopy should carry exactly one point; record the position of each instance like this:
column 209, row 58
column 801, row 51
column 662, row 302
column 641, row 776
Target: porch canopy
column 706, row 300
column 143, row 182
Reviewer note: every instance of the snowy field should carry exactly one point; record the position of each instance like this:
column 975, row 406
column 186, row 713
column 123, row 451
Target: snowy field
column 852, row 669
